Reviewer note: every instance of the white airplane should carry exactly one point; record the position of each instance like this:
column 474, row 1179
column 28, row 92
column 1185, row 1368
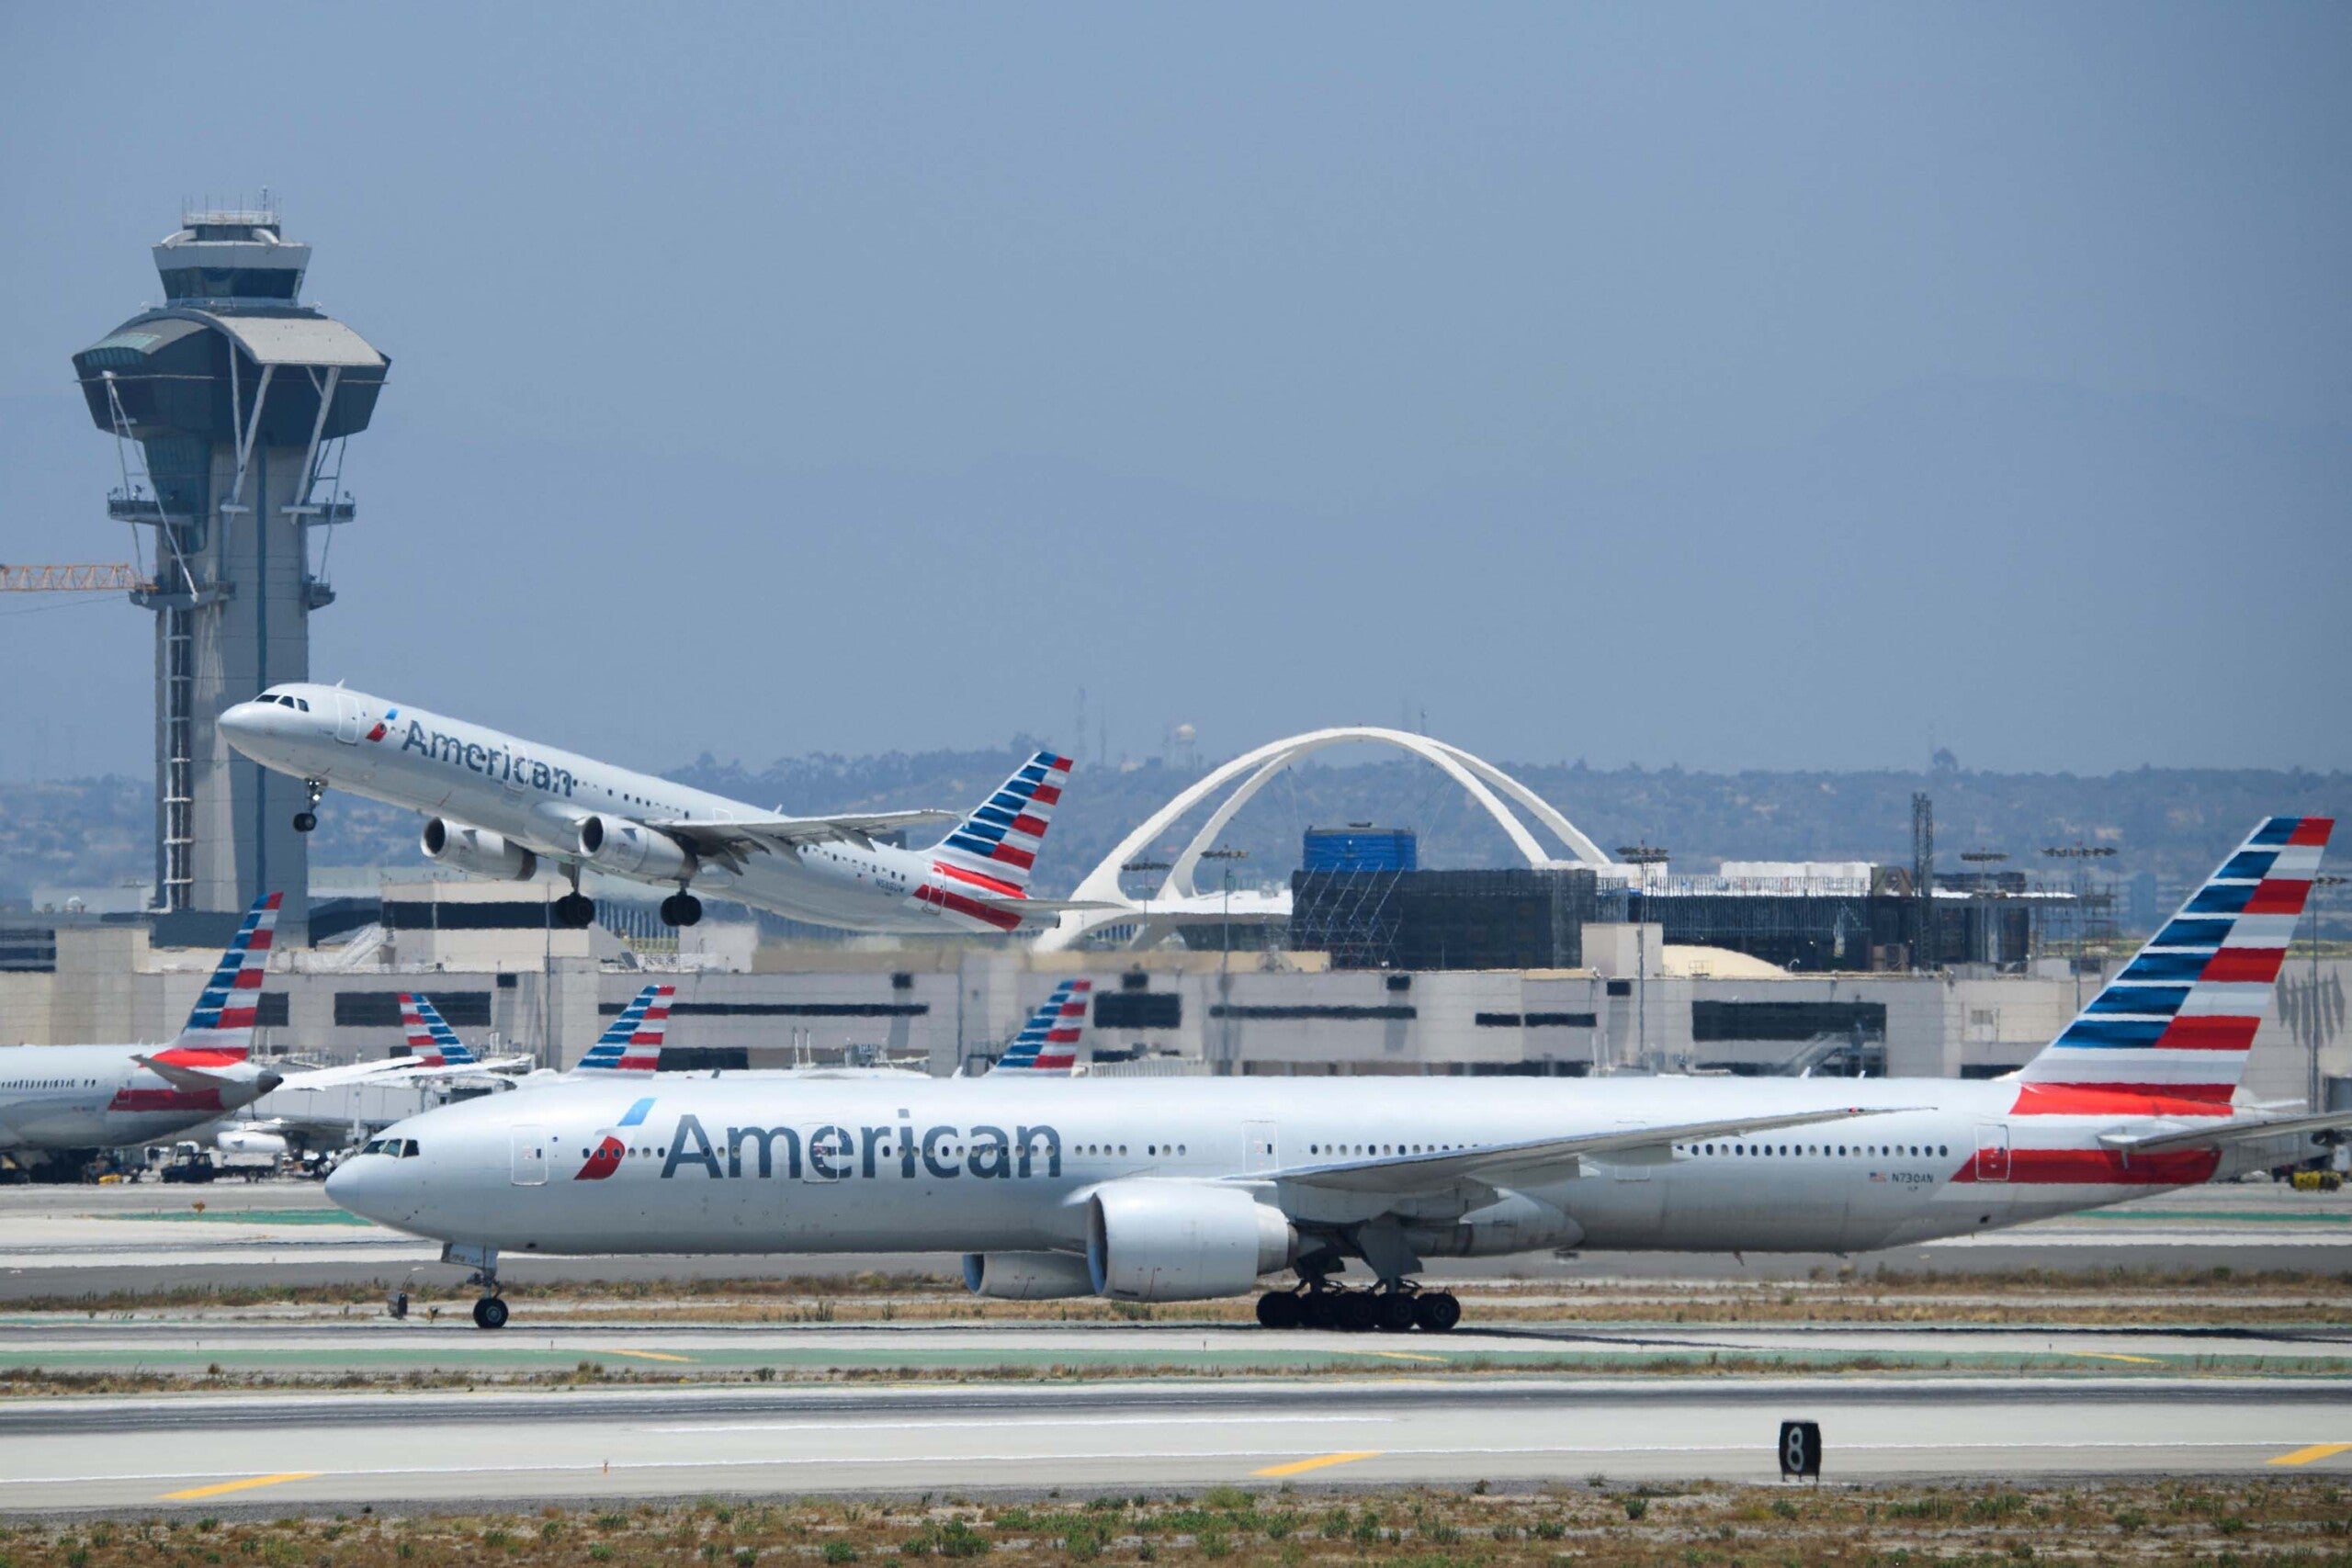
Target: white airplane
column 62, row 1104
column 435, row 1049
column 496, row 805
column 1180, row 1190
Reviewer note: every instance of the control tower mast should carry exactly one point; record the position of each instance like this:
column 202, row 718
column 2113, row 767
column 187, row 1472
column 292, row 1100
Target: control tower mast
column 229, row 406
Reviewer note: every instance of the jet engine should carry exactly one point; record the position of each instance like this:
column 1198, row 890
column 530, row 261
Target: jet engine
column 1027, row 1276
column 633, row 849
column 476, row 851
column 1180, row 1241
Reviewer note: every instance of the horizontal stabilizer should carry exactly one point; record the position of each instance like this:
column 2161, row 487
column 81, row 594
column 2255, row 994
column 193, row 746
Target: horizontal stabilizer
column 2224, row 1132
column 1498, row 1162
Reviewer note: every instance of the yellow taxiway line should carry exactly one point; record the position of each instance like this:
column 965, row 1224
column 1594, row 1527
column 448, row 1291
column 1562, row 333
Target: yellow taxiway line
column 1301, row 1466
column 2316, row 1451
column 247, row 1484
column 646, row 1355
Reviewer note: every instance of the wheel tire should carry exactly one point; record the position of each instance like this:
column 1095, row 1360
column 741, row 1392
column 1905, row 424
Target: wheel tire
column 1278, row 1309
column 681, row 909
column 1318, row 1309
column 305, row 821
column 1355, row 1313
column 489, row 1313
column 1394, row 1312
column 1436, row 1311
column 576, row 912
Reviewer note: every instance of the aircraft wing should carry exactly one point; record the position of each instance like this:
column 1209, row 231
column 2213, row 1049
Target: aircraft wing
column 750, row 835
column 2223, row 1130
column 351, row 1073
column 1499, row 1162
column 1042, row 906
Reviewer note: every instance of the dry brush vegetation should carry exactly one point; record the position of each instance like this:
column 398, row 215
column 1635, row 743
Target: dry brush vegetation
column 2299, row 1522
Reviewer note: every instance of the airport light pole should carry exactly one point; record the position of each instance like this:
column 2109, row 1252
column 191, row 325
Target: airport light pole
column 1224, row 946
column 1644, row 855
column 2311, row 1012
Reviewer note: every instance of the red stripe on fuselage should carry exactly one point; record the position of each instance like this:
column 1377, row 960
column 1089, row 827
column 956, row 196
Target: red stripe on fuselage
column 976, row 879
column 1002, row 919
column 2098, row 1168
column 604, row 1161
column 201, row 1056
column 166, row 1100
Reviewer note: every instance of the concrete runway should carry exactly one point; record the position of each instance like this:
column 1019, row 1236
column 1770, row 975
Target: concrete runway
column 554, row 1344
column 66, row 1241
column 280, row 1451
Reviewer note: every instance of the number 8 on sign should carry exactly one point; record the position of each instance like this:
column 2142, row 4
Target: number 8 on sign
column 1800, row 1450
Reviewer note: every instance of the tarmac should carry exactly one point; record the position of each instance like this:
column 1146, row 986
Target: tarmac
column 283, row 1452
column 76, row 1240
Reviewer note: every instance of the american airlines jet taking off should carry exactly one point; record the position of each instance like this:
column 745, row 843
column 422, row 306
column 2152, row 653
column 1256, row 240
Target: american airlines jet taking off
column 63, row 1103
column 1184, row 1189
column 496, row 805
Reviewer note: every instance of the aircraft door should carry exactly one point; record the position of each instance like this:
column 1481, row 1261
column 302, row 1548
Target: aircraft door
column 532, row 1154
column 346, row 718
column 1993, row 1152
column 1261, row 1149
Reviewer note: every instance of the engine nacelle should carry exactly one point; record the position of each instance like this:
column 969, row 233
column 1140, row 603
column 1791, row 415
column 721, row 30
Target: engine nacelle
column 1180, row 1241
column 1513, row 1222
column 477, row 851
column 1027, row 1276
column 633, row 849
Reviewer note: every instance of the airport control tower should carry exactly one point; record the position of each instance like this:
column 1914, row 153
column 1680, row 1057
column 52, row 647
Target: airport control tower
column 229, row 406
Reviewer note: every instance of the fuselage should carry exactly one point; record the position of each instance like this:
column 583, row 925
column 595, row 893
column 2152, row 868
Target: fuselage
column 729, row 1163
column 99, row 1096
column 536, row 797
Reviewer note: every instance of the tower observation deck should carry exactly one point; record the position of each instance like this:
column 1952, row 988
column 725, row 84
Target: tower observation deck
column 230, row 405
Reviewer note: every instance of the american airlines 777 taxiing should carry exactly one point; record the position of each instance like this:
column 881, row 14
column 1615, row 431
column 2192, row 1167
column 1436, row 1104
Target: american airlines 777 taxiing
column 496, row 805
column 1175, row 1190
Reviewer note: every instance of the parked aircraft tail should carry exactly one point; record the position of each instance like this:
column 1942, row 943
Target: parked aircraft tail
column 633, row 1043
column 2178, row 1021
column 221, row 1028
column 431, row 1041
column 1055, row 1034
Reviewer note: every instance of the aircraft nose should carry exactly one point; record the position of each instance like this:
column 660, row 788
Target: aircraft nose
column 354, row 1183
column 247, row 721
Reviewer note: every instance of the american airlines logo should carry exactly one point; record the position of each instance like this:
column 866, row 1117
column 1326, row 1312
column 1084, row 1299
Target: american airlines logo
column 837, row 1153
column 490, row 761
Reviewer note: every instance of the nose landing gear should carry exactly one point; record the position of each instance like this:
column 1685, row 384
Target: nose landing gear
column 306, row 819
column 490, row 1312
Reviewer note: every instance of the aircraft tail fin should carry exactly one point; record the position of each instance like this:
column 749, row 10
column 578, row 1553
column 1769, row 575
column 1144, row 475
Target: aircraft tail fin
column 993, row 849
column 1054, row 1035
column 431, row 1041
column 633, row 1043
column 221, row 1024
column 2178, row 1021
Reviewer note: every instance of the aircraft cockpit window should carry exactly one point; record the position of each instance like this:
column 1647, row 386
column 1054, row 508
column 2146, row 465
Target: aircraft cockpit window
column 379, row 1145
column 408, row 1149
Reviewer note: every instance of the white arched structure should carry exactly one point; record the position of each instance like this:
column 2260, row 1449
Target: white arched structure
column 1178, row 898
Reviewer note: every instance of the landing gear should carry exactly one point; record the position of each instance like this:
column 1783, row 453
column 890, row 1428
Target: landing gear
column 489, row 1313
column 306, row 820
column 575, row 911
column 1393, row 1309
column 681, row 909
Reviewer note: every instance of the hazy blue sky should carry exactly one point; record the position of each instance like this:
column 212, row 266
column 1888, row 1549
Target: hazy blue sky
column 1740, row 386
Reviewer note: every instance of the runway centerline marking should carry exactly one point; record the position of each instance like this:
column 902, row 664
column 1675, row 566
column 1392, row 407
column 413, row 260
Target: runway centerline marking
column 1301, row 1466
column 2316, row 1451
column 993, row 1423
column 247, row 1484
column 644, row 1355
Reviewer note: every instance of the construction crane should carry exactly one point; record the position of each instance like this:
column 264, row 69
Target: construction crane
column 83, row 577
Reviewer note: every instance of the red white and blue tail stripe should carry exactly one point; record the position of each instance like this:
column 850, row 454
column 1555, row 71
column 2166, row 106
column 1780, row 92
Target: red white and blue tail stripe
column 2178, row 1021
column 222, row 1025
column 633, row 1043
column 431, row 1042
column 1051, row 1040
column 991, row 853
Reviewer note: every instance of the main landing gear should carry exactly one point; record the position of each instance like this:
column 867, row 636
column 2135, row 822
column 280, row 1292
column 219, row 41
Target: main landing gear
column 306, row 819
column 681, row 908
column 1393, row 1309
column 575, row 910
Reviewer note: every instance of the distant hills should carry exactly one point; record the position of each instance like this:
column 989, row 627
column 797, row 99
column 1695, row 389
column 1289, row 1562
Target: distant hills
column 2169, row 826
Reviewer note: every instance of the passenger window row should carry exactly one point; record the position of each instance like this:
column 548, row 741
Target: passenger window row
column 1834, row 1151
